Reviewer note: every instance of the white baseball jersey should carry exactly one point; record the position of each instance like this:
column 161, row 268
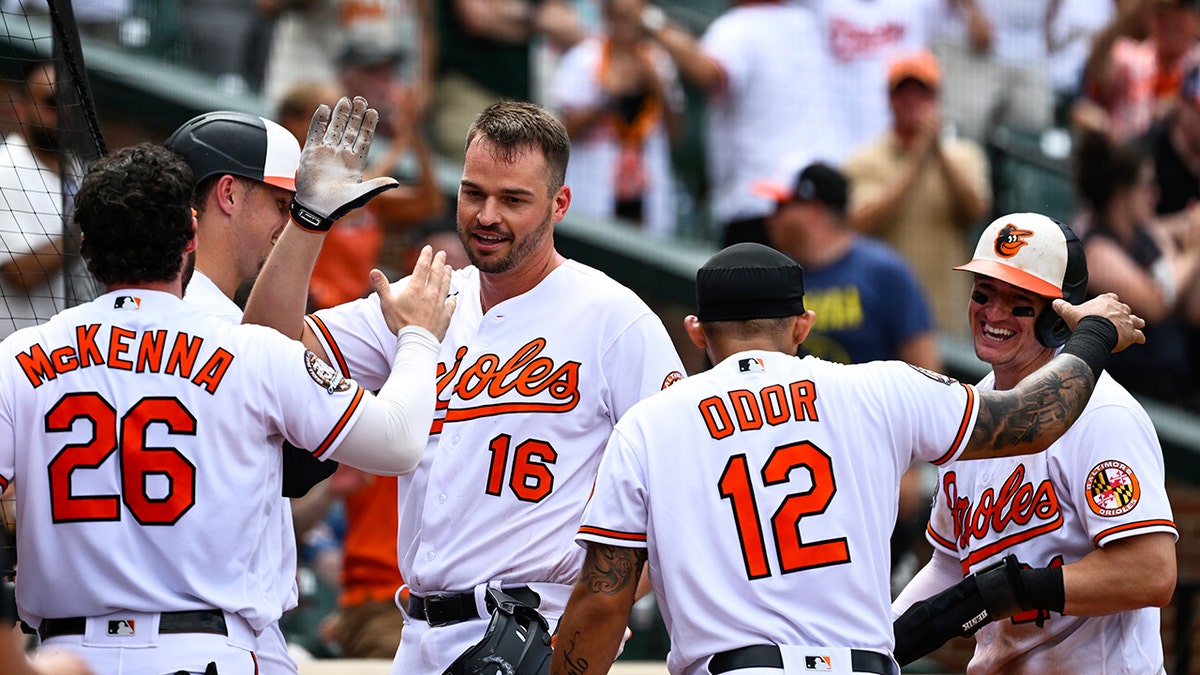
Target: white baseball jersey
column 776, row 112
column 1102, row 481
column 860, row 38
column 765, row 491
column 278, row 559
column 527, row 396
column 145, row 437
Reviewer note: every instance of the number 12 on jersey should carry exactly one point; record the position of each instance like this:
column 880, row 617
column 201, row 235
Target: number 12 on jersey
column 737, row 486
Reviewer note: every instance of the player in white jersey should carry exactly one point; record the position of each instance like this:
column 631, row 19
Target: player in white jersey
column 145, row 435
column 774, row 479
column 1076, row 519
column 245, row 171
column 542, row 357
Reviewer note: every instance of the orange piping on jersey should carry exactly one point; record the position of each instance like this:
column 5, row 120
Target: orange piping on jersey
column 962, row 428
column 612, row 534
column 995, row 547
column 254, row 656
column 3, row 483
column 939, row 539
column 341, row 423
column 337, row 353
column 1132, row 526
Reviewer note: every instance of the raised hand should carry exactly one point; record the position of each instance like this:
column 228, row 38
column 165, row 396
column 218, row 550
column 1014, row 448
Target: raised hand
column 420, row 300
column 329, row 181
column 1109, row 306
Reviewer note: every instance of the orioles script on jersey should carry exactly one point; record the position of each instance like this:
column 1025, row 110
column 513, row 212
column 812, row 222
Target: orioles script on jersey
column 526, row 373
column 1018, row 501
column 149, row 352
column 746, row 410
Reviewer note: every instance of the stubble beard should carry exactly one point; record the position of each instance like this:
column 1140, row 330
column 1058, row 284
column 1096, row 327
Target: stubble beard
column 521, row 251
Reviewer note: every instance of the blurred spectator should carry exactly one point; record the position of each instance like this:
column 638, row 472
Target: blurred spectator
column 228, row 39
column 620, row 99
column 1070, row 29
column 868, row 303
column 919, row 191
column 1174, row 143
column 1136, row 64
column 485, row 54
column 769, row 108
column 354, row 247
column 311, row 34
column 996, row 67
column 862, row 37
column 1130, row 254
column 31, row 224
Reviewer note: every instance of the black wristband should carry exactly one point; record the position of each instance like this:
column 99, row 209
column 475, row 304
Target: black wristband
column 1044, row 589
column 308, row 219
column 1093, row 340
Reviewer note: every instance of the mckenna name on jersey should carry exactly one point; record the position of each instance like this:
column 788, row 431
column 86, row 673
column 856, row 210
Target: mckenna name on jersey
column 1034, row 508
column 526, row 373
column 158, row 351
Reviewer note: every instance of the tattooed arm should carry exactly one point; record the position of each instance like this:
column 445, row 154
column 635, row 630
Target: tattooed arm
column 594, row 622
column 1029, row 417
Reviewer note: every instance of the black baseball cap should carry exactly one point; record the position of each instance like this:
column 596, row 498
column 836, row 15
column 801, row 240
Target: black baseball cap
column 816, row 182
column 749, row 281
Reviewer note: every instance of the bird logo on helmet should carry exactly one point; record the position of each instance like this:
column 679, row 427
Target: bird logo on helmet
column 1038, row 254
column 236, row 143
column 1010, row 240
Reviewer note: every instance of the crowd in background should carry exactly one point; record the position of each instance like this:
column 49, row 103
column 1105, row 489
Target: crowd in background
column 851, row 135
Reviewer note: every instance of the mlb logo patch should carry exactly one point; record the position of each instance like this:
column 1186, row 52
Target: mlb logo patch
column 818, row 663
column 752, row 365
column 127, row 302
column 121, row 627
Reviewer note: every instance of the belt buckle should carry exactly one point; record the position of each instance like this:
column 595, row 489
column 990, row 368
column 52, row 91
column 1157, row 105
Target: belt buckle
column 434, row 603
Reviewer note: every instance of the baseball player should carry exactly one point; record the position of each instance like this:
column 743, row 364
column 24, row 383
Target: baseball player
column 245, row 171
column 145, row 435
column 542, row 357
column 776, row 481
column 1067, row 525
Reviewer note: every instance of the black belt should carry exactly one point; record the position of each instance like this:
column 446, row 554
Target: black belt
column 441, row 609
column 201, row 621
column 769, row 656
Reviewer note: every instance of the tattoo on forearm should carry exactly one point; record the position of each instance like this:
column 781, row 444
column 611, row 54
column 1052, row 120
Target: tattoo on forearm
column 575, row 665
column 612, row 569
column 1046, row 405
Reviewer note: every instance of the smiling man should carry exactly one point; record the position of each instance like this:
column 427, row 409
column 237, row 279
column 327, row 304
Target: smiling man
column 1055, row 534
column 542, row 358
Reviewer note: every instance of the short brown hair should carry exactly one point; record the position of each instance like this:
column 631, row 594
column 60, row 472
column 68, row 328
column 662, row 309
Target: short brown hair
column 516, row 126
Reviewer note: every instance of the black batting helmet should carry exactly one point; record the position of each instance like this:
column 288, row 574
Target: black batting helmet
column 1038, row 254
column 228, row 142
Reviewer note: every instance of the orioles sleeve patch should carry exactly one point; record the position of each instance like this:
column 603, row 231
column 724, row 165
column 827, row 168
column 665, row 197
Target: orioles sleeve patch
column 672, row 378
column 324, row 374
column 1113, row 489
column 936, row 377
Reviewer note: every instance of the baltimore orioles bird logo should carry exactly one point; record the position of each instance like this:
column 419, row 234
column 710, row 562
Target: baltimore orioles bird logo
column 1010, row 240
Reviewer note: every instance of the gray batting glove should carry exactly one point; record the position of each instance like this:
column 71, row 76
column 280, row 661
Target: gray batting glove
column 329, row 181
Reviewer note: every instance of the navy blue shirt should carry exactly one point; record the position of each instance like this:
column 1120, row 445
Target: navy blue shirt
column 867, row 304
